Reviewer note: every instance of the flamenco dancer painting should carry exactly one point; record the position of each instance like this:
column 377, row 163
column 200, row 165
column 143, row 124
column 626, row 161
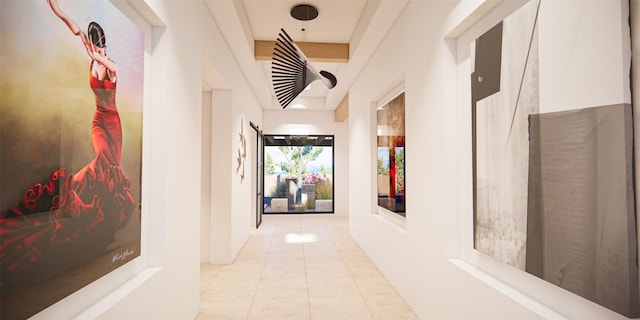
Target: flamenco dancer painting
column 67, row 223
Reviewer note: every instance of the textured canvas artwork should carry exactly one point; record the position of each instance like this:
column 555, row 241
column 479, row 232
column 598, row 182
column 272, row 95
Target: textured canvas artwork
column 390, row 129
column 581, row 222
column 505, row 92
column 553, row 192
column 71, row 148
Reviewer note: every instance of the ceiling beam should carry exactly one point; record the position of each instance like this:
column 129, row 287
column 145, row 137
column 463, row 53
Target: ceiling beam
column 315, row 51
column 342, row 111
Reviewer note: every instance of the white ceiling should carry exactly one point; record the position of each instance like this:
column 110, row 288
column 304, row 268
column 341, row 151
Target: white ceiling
column 336, row 20
column 361, row 23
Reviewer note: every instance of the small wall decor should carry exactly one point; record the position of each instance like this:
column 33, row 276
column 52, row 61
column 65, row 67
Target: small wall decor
column 242, row 151
column 71, row 152
column 292, row 72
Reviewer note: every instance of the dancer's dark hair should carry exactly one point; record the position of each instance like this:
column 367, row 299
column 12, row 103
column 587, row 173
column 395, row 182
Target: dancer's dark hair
column 96, row 35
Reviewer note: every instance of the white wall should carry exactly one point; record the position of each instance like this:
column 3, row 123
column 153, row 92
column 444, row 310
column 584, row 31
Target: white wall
column 164, row 282
column 289, row 121
column 175, row 94
column 430, row 260
column 221, row 163
column 205, row 209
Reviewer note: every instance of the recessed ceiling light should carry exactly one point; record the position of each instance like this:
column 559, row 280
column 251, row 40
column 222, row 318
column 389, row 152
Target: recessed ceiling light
column 298, row 106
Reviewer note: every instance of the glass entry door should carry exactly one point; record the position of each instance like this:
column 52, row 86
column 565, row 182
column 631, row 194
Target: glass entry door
column 298, row 174
column 259, row 174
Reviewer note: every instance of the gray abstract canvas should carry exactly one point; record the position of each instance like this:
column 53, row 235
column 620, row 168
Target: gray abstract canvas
column 505, row 93
column 553, row 193
column 581, row 222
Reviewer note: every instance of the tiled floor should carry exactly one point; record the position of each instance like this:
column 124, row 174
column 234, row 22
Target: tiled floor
column 299, row 267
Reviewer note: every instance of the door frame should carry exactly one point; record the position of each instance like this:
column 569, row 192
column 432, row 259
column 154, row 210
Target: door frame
column 259, row 174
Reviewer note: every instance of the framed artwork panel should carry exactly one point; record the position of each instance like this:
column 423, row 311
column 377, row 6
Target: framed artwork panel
column 552, row 190
column 71, row 148
column 390, row 172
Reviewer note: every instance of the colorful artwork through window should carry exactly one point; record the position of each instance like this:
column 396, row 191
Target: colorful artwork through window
column 391, row 156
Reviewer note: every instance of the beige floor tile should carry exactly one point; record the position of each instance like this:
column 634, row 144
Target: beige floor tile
column 258, row 240
column 283, row 246
column 354, row 255
column 284, row 270
column 282, row 288
column 341, row 236
column 351, row 246
column 248, row 257
column 204, row 284
column 208, row 269
column 326, row 269
column 390, row 307
column 207, row 273
column 326, row 245
column 332, row 287
column 280, row 309
column 299, row 267
column 258, row 237
column 224, row 309
column 240, row 271
column 322, row 257
column 282, row 231
column 290, row 237
column 373, row 286
column 285, row 257
column 362, row 268
column 294, row 251
column 316, row 235
column 338, row 308
column 287, row 227
column 222, row 288
column 256, row 249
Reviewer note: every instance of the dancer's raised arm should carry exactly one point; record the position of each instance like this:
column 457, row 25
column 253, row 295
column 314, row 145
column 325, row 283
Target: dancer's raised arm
column 72, row 25
column 91, row 47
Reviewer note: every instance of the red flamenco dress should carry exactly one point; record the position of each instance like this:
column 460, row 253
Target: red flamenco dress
column 71, row 218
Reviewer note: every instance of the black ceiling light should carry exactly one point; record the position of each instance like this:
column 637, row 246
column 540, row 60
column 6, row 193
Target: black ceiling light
column 291, row 71
column 304, row 12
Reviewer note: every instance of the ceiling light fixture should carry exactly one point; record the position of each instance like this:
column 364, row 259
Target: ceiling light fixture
column 304, row 12
column 291, row 70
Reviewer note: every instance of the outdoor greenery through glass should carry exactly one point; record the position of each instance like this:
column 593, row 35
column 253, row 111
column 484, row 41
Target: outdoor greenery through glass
column 298, row 174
